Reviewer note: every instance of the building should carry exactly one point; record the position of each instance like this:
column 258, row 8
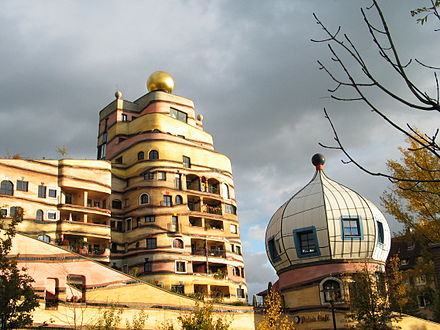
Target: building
column 174, row 219
column 315, row 240
column 64, row 202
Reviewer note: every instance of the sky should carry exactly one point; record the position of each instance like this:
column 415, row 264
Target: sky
column 250, row 68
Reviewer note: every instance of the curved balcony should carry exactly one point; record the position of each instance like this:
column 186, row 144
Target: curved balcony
column 85, row 229
column 84, row 209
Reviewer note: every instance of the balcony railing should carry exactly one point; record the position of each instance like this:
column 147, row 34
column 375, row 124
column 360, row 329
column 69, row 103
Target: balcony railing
column 212, row 209
column 213, row 190
column 217, row 253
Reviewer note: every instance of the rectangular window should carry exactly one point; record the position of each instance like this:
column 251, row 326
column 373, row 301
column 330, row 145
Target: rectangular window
column 240, row 293
column 186, row 161
column 306, row 242
column 232, row 248
column 233, row 229
column 149, row 176
column 161, row 176
column 150, row 218
column 42, row 191
column 118, row 160
column 351, row 228
column 22, row 185
column 124, row 117
column 104, row 137
column 380, row 233
column 273, row 250
column 128, row 226
column 151, row 243
column 180, row 267
column 179, row 115
column 52, row 215
column 116, row 204
column 238, row 249
column 147, row 266
column 178, row 288
column 167, row 200
column 230, row 209
column 52, row 193
column 4, row 212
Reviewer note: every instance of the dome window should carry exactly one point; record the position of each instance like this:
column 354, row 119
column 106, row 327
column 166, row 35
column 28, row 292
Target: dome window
column 273, row 252
column 380, row 233
column 351, row 227
column 306, row 242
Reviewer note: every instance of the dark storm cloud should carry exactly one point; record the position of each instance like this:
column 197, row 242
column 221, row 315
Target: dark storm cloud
column 249, row 66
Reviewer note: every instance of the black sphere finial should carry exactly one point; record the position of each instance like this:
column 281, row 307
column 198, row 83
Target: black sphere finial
column 318, row 160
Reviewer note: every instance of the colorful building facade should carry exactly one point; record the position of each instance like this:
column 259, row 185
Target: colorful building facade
column 174, row 219
column 64, row 202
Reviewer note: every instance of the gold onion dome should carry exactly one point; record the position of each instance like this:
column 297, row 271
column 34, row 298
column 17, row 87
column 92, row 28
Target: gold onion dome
column 160, row 80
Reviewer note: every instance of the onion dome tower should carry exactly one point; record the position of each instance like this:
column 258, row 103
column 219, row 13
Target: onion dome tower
column 324, row 232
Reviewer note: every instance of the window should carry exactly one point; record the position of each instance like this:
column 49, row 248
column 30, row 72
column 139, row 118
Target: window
column 69, row 198
column 141, row 155
column 149, row 176
column 116, row 204
column 51, row 215
column 380, row 233
column 238, row 249
column 151, row 243
column 4, row 212
column 422, row 301
column 104, row 137
column 351, row 227
column 186, row 161
column 236, row 271
column 240, row 293
column 179, row 200
column 161, row 176
column 230, row 209
column 178, row 181
column 124, row 117
column 153, row 154
column 226, row 194
column 147, row 266
column 150, row 218
column 273, row 252
column 404, row 262
column 179, row 115
column 178, row 243
column 180, row 267
column 52, row 193
column 7, row 188
column 174, row 223
column 15, row 211
column 306, row 243
column 232, row 248
column 44, row 238
column 118, row 160
column 420, row 280
column 42, row 191
column 22, row 185
column 233, row 229
column 40, row 215
column 331, row 290
column 178, row 288
column 167, row 200
column 101, row 151
column 128, row 225
column 145, row 199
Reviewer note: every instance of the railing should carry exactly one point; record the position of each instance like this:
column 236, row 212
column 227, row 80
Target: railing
column 198, row 252
column 212, row 209
column 194, row 207
column 213, row 190
column 192, row 186
column 217, row 253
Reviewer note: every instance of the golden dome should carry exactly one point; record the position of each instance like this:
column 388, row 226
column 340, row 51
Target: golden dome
column 160, row 80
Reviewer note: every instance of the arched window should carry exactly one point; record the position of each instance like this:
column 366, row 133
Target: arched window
column 140, row 155
column 44, row 238
column 226, row 194
column 331, row 290
column 40, row 215
column 144, row 199
column 179, row 200
column 178, row 243
column 153, row 154
column 7, row 188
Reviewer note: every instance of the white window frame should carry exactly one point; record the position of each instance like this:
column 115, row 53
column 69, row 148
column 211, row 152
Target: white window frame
column 52, row 212
column 181, row 261
column 233, row 229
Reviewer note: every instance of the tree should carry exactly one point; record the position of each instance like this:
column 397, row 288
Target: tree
column 369, row 306
column 201, row 318
column 354, row 76
column 397, row 289
column 416, row 204
column 17, row 298
column 274, row 317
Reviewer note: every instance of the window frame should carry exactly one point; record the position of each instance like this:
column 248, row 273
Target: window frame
column 153, row 217
column 52, row 193
column 297, row 238
column 322, row 293
column 240, row 296
column 179, row 115
column 148, row 176
column 167, row 200
column 7, row 188
column 380, row 233
column 22, row 185
column 351, row 218
column 178, row 200
column 178, row 240
column 181, row 262
column 161, row 176
column 140, row 155
column 235, row 231
column 118, row 206
column 150, row 239
column 39, row 214
column 274, row 254
column 153, row 154
column 51, row 215
column 141, row 197
column 186, row 161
